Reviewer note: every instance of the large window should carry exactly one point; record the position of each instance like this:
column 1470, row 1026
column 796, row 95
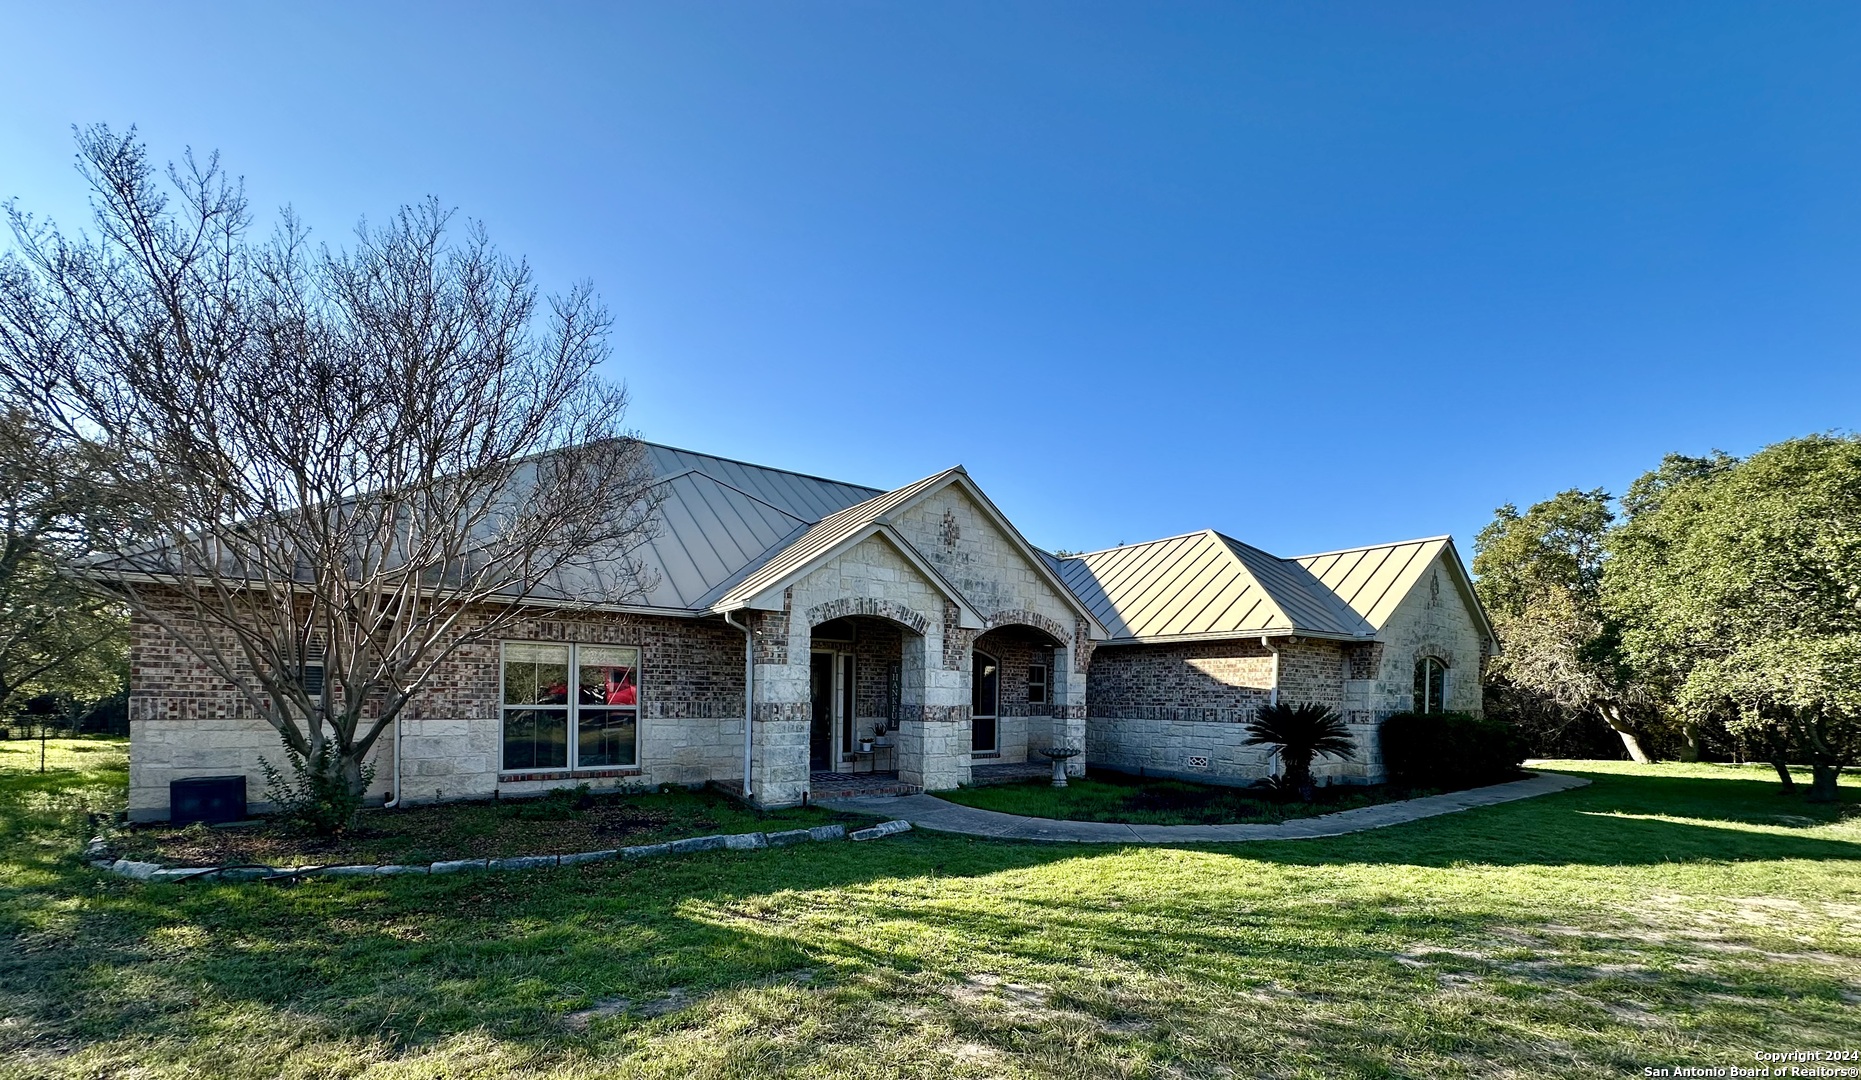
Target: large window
column 571, row 706
column 1430, row 685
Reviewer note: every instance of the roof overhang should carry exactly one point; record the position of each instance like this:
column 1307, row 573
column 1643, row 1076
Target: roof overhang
column 1230, row 635
column 769, row 598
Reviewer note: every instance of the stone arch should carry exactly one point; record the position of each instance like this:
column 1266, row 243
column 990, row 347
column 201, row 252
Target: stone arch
column 1020, row 616
column 865, row 605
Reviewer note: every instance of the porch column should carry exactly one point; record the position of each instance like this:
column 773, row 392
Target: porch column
column 933, row 736
column 1069, row 703
column 783, row 708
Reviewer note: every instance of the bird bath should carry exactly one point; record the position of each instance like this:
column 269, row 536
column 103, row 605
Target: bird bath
column 1059, row 755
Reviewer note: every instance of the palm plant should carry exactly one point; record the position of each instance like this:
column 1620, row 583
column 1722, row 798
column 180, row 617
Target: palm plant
column 1300, row 733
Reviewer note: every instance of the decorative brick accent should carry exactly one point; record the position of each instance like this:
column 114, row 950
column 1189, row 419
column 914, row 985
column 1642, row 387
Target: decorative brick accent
column 863, row 605
column 1024, row 617
column 957, row 641
column 772, row 631
column 1083, row 647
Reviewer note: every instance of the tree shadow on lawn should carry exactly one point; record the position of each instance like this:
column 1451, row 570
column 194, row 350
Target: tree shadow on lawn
column 411, row 961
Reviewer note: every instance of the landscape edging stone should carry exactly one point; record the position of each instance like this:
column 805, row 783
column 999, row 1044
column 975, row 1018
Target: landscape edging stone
column 752, row 841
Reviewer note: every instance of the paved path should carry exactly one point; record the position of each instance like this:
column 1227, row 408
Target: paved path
column 930, row 812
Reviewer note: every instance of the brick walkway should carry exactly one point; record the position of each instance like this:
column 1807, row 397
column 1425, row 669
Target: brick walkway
column 930, row 812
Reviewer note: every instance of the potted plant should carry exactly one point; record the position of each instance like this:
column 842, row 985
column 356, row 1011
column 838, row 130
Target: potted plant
column 879, row 736
column 865, row 744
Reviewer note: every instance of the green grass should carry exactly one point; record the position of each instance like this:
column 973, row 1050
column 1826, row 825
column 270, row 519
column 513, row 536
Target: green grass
column 554, row 825
column 1110, row 796
column 1662, row 916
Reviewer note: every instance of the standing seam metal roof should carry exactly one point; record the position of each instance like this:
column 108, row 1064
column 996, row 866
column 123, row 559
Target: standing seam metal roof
column 1204, row 585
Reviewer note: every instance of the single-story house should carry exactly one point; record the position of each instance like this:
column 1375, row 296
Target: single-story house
column 918, row 616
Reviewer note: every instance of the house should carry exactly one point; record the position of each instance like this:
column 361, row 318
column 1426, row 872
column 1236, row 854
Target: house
column 921, row 615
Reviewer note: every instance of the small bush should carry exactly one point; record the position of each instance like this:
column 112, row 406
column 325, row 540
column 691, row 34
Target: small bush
column 560, row 804
column 1449, row 750
column 315, row 795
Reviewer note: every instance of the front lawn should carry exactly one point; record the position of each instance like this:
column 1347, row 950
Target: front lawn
column 558, row 824
column 1103, row 795
column 1664, row 916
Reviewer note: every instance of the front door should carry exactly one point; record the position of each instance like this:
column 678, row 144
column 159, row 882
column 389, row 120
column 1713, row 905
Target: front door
column 821, row 732
column 985, row 692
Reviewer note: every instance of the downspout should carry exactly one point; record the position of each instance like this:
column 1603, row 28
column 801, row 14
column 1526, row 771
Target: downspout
column 1272, row 693
column 749, row 693
column 394, row 800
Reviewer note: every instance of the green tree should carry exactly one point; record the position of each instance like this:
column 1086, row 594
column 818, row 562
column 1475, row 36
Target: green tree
column 56, row 637
column 1540, row 574
column 1741, row 582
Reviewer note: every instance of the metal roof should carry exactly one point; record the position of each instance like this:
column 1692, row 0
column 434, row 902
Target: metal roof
column 826, row 535
column 1206, row 585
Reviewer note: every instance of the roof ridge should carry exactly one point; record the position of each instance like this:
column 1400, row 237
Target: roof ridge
column 720, row 482
column 1138, row 543
column 1366, row 547
column 755, row 465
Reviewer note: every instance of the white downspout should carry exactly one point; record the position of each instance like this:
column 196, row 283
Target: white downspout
column 749, row 693
column 1273, row 692
column 394, row 800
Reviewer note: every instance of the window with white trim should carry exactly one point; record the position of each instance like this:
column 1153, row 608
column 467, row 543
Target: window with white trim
column 1430, row 685
column 570, row 706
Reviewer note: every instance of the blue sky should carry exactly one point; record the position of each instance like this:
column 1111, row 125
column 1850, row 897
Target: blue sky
column 1312, row 274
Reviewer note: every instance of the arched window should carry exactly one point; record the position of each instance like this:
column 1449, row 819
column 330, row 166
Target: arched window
column 1430, row 685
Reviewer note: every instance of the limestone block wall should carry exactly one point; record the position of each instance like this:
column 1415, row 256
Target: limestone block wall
column 1435, row 619
column 956, row 536
column 185, row 721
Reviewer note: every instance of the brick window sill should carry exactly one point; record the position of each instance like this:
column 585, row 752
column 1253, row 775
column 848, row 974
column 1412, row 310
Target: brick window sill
column 566, row 774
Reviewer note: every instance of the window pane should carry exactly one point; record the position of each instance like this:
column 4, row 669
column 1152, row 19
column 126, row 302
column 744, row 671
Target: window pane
column 1421, row 686
column 536, row 674
column 1437, row 687
column 605, row 738
column 608, row 675
column 536, row 738
column 983, row 686
column 1036, row 685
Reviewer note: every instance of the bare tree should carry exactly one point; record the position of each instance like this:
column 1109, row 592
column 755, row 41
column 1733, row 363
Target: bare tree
column 346, row 462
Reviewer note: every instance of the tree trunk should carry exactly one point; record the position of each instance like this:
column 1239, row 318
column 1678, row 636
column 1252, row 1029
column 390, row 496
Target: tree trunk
column 1630, row 742
column 1783, row 773
column 1690, row 749
column 1822, row 786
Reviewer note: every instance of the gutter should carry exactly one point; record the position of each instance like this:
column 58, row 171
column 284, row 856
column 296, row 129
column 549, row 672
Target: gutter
column 749, row 693
column 394, row 800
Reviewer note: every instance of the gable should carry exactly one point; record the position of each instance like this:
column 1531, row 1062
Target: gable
column 994, row 570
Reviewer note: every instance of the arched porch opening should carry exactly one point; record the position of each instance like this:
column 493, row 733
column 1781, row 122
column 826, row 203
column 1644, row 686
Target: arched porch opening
column 865, row 679
column 1016, row 678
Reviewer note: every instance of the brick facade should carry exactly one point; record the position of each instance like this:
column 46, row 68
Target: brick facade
column 1174, row 709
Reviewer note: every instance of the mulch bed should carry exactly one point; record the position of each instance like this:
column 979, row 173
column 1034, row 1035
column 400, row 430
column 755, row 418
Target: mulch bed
column 557, row 825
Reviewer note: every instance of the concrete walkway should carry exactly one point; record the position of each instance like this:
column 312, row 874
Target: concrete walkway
column 930, row 812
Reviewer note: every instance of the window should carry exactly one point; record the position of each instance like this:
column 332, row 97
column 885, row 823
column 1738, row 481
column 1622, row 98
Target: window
column 1430, row 685
column 571, row 706
column 1036, row 684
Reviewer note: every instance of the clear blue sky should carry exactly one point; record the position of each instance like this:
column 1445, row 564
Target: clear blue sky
column 1313, row 274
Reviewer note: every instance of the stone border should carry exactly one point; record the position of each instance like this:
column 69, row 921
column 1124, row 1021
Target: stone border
column 156, row 872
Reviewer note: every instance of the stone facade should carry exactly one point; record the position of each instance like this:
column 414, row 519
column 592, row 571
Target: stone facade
column 1174, row 709
column 185, row 721
column 1179, row 710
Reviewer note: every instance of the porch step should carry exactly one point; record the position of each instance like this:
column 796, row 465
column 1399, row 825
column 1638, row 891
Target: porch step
column 828, row 786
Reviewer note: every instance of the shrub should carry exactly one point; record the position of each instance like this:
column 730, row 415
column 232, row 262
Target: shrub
column 1449, row 750
column 316, row 795
column 1300, row 733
